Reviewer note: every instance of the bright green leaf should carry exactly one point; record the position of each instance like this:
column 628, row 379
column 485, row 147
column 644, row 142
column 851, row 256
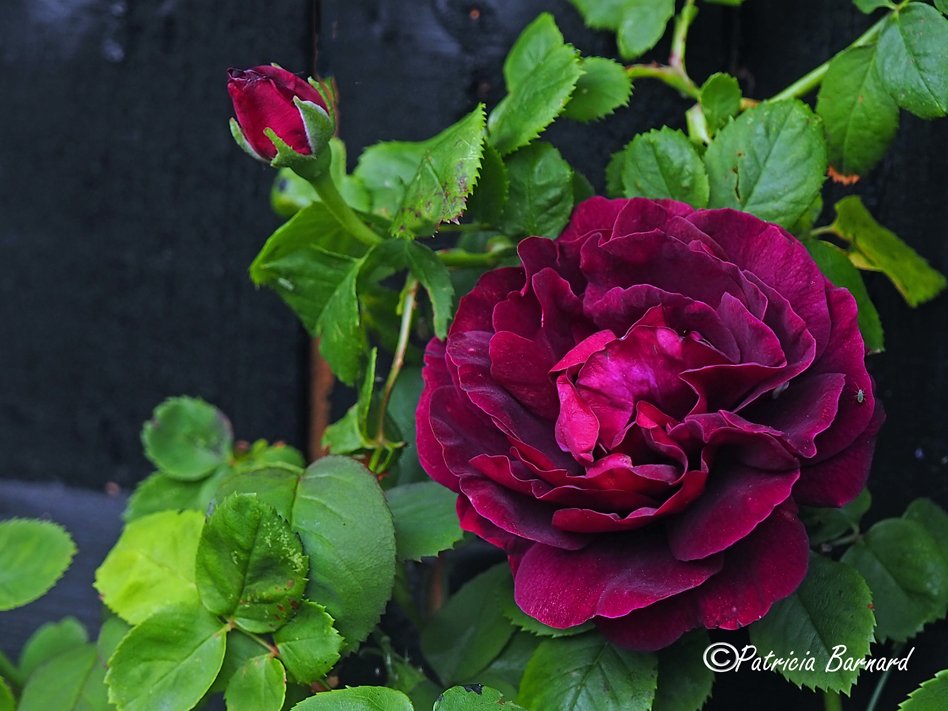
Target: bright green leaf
column 309, row 644
column 907, row 573
column 932, row 518
column 684, row 681
column 385, row 170
column 540, row 199
column 261, row 452
column 33, row 556
column 445, row 178
column 357, row 698
column 662, row 163
column 836, row 267
column 832, row 607
column 168, row 661
column 159, row 492
column 426, row 522
column 643, row 24
column 469, row 630
column 151, row 565
column 71, row 681
column 250, row 566
column 868, row 6
column 603, row 87
column 186, row 438
column 352, row 432
column 536, row 41
column 259, row 685
column 490, row 194
column 859, row 116
column 877, row 248
column 7, row 699
column 827, row 524
column 274, row 484
column 342, row 518
column 241, row 648
column 913, row 54
column 770, row 161
column 506, row 670
column 111, row 634
column 49, row 640
column 474, row 697
column 720, row 99
column 930, row 696
column 587, row 672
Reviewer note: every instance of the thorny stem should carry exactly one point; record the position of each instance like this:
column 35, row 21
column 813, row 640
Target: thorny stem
column 680, row 36
column 831, row 701
column 404, row 334
column 337, row 205
column 880, row 685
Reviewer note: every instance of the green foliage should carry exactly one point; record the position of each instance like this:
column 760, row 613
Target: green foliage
column 930, row 696
column 50, row 640
column 425, row 519
column 720, row 99
column 445, row 177
column 541, row 73
column 7, row 699
column 309, row 644
column 662, row 163
column 73, row 680
column 540, row 196
column 151, row 565
column 159, row 492
column 291, row 193
column 836, row 266
column 353, row 432
column 832, row 607
column 250, row 566
column 684, row 682
column 859, row 116
column 827, row 524
column 187, row 438
column 357, row 698
column 770, row 161
column 868, row 6
column 587, row 673
column 258, row 685
column 639, row 24
column 469, row 630
column 490, row 194
column 873, row 247
column 913, row 54
column 603, row 87
column 474, row 697
column 33, row 556
column 168, row 661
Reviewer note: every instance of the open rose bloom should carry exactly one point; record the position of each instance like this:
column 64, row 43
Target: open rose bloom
column 636, row 414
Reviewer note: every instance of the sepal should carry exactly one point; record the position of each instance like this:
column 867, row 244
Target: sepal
column 238, row 133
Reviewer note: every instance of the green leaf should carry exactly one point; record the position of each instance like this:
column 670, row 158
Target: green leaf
column 342, row 518
column 867, row 6
column 71, row 681
column 859, row 116
column 720, row 99
column 643, row 24
column 259, row 685
column 603, row 87
column 684, row 681
column 836, row 267
column 445, row 177
column 832, row 607
column 250, row 565
column 425, row 519
column 352, row 432
column 769, row 161
column 357, row 698
column 33, row 556
column 385, row 170
column 506, row 671
column 240, row 649
column 662, row 163
column 930, row 696
column 275, row 484
column 291, row 193
column 541, row 192
column 7, row 699
column 474, row 697
column 732, row 3
column 309, row 644
column 469, row 630
column 111, row 634
column 541, row 73
column 913, row 54
column 151, row 565
column 827, row 524
column 186, row 438
column 587, row 672
column 261, row 452
column 907, row 573
column 942, row 5
column 159, row 492
column 50, row 640
column 168, row 661
column 932, row 518
column 490, row 194
column 874, row 247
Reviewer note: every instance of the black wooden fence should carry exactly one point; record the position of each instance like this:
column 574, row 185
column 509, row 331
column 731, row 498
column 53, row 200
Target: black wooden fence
column 128, row 218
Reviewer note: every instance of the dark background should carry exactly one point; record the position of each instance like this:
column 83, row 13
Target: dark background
column 128, row 218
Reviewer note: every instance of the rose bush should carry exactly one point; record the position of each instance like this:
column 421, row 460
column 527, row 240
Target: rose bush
column 263, row 98
column 635, row 415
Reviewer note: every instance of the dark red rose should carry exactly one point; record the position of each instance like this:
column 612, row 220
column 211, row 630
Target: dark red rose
column 263, row 98
column 635, row 415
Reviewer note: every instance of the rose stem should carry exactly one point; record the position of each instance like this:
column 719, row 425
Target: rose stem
column 404, row 333
column 880, row 685
column 331, row 198
column 680, row 36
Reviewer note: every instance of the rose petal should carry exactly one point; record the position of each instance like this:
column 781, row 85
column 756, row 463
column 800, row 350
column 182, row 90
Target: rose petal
column 475, row 309
column 654, row 627
column 520, row 367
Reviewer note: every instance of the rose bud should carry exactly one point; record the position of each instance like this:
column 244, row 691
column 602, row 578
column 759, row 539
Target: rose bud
column 636, row 414
column 280, row 117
